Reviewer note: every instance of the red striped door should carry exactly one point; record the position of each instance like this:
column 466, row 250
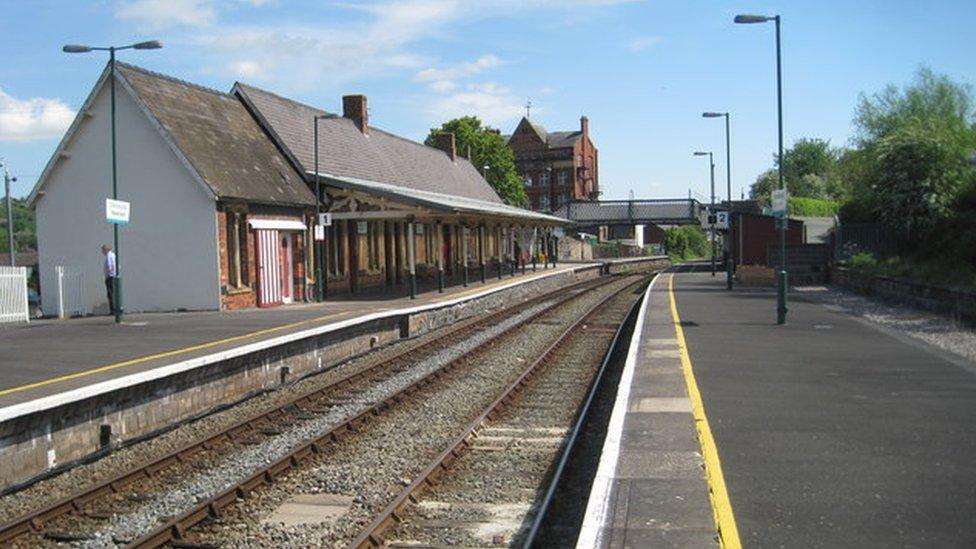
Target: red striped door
column 269, row 268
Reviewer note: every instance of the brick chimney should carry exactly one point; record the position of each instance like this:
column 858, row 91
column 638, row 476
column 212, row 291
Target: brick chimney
column 354, row 108
column 445, row 142
column 585, row 126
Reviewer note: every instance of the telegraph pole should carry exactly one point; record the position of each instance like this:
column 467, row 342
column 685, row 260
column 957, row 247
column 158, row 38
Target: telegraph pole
column 10, row 214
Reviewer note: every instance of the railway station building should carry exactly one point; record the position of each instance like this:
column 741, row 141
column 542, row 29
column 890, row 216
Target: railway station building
column 223, row 204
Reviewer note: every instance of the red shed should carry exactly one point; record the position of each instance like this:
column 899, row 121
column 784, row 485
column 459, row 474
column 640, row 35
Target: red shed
column 752, row 234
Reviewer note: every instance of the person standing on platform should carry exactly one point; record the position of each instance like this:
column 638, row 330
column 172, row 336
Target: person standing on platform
column 110, row 274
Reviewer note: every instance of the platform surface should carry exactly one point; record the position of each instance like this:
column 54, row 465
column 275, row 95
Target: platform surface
column 48, row 357
column 832, row 432
column 650, row 489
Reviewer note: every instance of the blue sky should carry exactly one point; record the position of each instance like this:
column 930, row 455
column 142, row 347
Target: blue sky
column 643, row 71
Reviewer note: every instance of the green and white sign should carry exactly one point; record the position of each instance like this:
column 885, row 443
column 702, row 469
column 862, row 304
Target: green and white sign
column 779, row 202
column 116, row 211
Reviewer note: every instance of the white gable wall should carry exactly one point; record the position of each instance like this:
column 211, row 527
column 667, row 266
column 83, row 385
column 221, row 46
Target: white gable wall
column 168, row 250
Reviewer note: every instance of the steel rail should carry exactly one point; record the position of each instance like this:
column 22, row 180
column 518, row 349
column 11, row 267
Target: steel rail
column 371, row 536
column 176, row 527
column 581, row 418
column 34, row 521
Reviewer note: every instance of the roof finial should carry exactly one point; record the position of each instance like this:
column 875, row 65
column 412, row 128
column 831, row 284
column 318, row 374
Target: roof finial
column 528, row 106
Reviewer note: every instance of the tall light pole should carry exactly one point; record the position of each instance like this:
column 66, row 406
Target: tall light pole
column 321, row 284
column 711, row 211
column 10, row 213
column 75, row 48
column 781, row 278
column 729, row 261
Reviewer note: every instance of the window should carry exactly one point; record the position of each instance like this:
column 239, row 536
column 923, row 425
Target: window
column 544, row 180
column 233, row 255
column 528, row 181
column 562, row 177
column 336, row 240
column 242, row 250
column 544, row 202
column 236, row 234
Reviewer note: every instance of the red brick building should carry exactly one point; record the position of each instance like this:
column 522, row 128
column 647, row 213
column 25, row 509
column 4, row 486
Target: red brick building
column 556, row 166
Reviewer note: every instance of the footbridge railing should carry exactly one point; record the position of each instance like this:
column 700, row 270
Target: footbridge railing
column 682, row 211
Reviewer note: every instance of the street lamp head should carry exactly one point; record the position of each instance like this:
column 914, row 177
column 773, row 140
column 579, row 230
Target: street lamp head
column 148, row 45
column 702, row 153
column 714, row 114
column 76, row 48
column 748, row 19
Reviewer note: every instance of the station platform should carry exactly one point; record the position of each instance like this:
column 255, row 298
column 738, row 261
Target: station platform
column 827, row 431
column 51, row 356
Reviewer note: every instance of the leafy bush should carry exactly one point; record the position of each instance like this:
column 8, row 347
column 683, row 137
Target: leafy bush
column 812, row 207
column 685, row 242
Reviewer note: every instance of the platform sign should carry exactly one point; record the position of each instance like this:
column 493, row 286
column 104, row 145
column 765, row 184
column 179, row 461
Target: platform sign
column 116, row 211
column 722, row 220
column 319, row 233
column 779, row 202
column 325, row 219
column 362, row 227
column 558, row 232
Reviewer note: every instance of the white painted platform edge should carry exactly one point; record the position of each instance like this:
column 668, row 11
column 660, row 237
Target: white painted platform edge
column 598, row 504
column 51, row 401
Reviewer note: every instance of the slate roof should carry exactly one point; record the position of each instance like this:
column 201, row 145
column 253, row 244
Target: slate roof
column 220, row 139
column 553, row 140
column 344, row 151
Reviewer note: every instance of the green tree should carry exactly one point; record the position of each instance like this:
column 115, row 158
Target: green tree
column 25, row 237
column 918, row 141
column 762, row 189
column 808, row 166
column 809, row 170
column 484, row 146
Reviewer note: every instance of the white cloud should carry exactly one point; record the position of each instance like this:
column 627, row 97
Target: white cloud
column 155, row 15
column 459, row 70
column 376, row 40
column 245, row 69
column 35, row 118
column 491, row 102
column 642, row 43
column 442, row 86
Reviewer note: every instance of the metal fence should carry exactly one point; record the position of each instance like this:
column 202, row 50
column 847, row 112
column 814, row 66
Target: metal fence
column 71, row 292
column 13, row 295
column 855, row 238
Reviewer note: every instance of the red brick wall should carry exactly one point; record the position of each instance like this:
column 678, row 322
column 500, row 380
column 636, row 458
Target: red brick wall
column 231, row 297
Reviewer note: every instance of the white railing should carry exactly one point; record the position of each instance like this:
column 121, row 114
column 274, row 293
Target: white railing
column 71, row 292
column 13, row 295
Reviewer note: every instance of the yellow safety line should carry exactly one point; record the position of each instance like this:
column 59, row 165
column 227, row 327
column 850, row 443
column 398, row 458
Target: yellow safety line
column 174, row 352
column 728, row 533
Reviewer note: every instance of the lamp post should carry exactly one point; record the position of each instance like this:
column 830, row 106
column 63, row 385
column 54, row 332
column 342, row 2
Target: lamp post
column 321, row 284
column 711, row 211
column 10, row 213
column 75, row 48
column 781, row 278
column 729, row 262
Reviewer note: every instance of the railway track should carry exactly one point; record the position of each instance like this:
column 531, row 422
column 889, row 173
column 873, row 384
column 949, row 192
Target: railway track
column 74, row 518
column 354, row 478
column 491, row 486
